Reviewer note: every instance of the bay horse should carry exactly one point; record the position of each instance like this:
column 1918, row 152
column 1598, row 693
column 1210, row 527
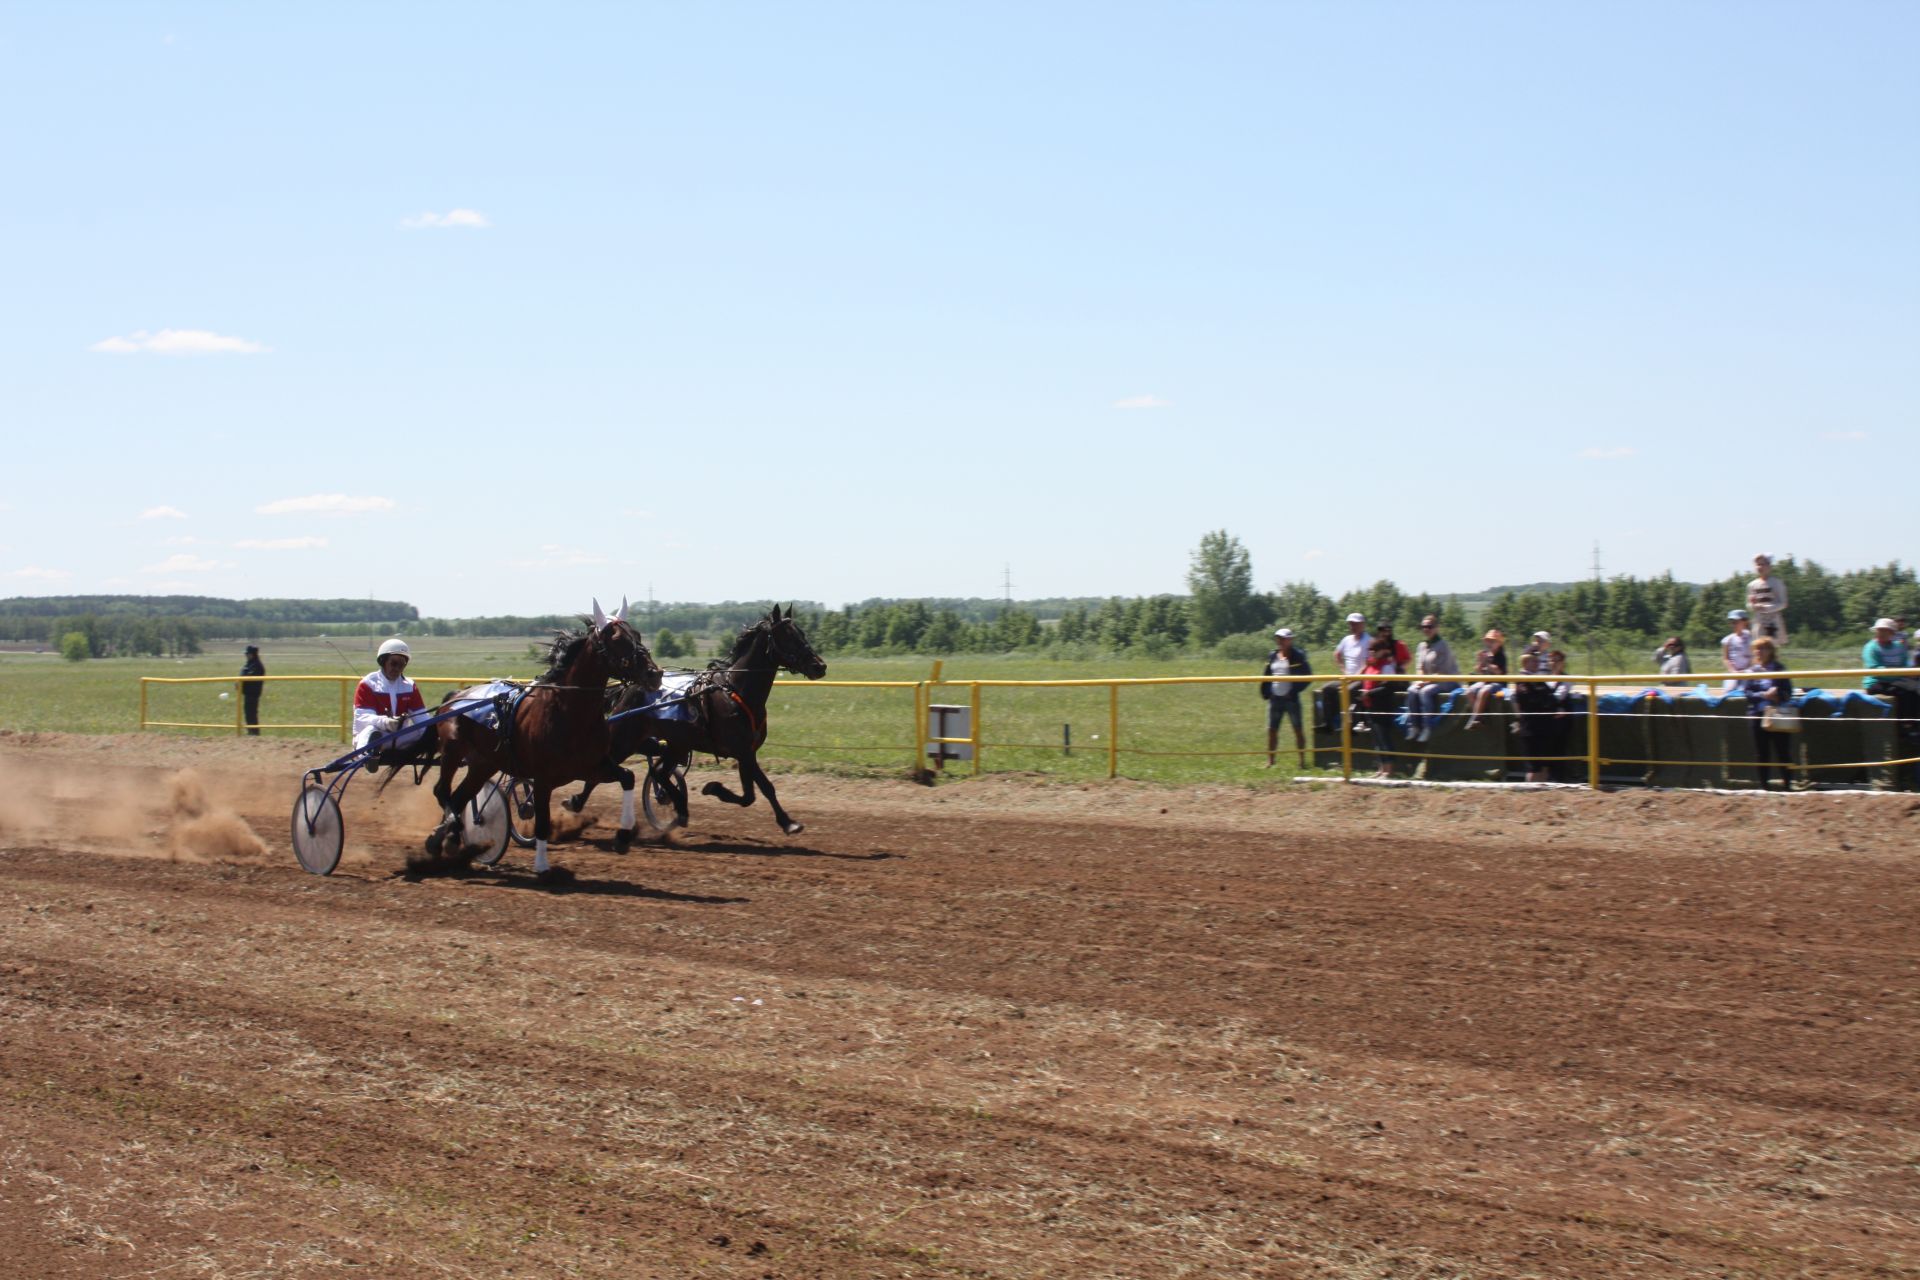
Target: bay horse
column 728, row 706
column 553, row 733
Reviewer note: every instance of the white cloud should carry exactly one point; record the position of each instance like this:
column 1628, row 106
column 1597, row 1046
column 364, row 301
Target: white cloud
column 332, row 504
column 280, row 544
column 179, row 342
column 1142, row 402
column 557, row 557
column 1850, row 436
column 1621, row 451
column 453, row 218
column 35, row 571
column 163, row 513
column 181, row 563
column 1314, row 554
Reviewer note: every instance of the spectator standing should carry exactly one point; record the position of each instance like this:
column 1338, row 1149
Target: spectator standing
column 1736, row 647
column 1380, row 699
column 1886, row 651
column 1433, row 658
column 1490, row 661
column 1349, row 657
column 1535, row 709
column 1900, row 631
column 1283, row 699
column 1767, row 602
column 1671, row 658
column 250, row 689
column 1762, row 692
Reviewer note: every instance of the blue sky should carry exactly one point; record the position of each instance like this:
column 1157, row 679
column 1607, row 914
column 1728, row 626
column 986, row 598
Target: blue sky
column 497, row 308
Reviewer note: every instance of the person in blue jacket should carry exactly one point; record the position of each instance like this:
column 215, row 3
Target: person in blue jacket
column 1283, row 699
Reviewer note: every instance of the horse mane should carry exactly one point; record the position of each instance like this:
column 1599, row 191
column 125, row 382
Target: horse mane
column 741, row 644
column 561, row 654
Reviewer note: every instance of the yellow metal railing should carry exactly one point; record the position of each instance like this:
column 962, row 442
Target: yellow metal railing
column 923, row 696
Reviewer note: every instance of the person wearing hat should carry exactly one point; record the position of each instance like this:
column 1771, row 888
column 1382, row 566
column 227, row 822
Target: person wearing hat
column 1671, row 658
column 1490, row 661
column 1349, row 656
column 1887, row 651
column 1736, row 647
column 1767, row 601
column 1283, row 698
column 250, row 689
column 385, row 696
column 1433, row 658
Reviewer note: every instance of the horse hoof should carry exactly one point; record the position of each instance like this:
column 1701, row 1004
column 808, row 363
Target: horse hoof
column 436, row 842
column 712, row 789
column 795, row 828
column 556, row 875
column 623, row 839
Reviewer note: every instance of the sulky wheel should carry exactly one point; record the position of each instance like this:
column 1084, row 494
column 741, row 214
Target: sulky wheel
column 318, row 832
column 658, row 791
column 489, row 824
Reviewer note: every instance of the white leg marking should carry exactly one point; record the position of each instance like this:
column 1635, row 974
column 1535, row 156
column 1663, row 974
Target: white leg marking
column 626, row 809
column 539, row 857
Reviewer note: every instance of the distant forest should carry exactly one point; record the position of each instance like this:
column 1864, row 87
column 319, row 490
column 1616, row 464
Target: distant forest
column 1221, row 614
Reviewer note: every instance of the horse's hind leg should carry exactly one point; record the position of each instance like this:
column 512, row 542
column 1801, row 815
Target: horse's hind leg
column 611, row 772
column 543, row 831
column 578, row 802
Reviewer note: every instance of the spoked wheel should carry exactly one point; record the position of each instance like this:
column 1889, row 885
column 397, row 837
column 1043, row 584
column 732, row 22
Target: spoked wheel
column 658, row 791
column 318, row 832
column 489, row 824
column 520, row 811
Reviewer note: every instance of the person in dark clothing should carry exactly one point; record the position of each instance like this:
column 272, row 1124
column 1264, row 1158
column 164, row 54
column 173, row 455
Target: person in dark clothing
column 1765, row 691
column 1535, row 710
column 1283, row 699
column 250, row 689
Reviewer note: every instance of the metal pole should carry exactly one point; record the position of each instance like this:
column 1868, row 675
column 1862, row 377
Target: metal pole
column 974, row 698
column 1346, row 733
column 346, row 711
column 143, row 702
column 239, row 718
column 1113, row 731
column 1593, row 734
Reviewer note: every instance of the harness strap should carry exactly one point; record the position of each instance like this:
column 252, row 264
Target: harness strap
column 759, row 725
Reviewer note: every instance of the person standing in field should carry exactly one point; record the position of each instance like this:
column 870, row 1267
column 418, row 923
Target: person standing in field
column 1767, row 602
column 1283, row 699
column 1736, row 647
column 250, row 689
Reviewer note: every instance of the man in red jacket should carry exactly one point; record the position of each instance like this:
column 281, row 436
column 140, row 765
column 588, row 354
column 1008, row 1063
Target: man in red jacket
column 385, row 697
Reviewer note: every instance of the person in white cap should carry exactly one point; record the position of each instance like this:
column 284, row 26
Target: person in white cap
column 1283, row 699
column 1888, row 651
column 1349, row 656
column 1767, row 602
column 1736, row 647
column 385, row 696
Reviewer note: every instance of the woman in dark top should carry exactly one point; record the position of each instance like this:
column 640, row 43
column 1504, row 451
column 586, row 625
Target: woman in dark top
column 1765, row 691
column 250, row 689
column 1535, row 712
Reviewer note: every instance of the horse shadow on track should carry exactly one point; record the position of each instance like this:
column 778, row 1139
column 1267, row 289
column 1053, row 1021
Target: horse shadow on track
column 575, row 884
column 753, row 849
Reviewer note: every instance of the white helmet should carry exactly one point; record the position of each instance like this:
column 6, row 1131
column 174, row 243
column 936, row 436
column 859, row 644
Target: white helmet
column 395, row 645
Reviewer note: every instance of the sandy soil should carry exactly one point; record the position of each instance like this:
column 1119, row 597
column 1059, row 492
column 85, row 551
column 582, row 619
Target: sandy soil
column 1002, row 1027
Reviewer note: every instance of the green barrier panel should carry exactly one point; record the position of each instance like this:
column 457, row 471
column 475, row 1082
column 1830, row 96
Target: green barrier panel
column 1486, row 744
column 1682, row 733
column 1734, row 736
column 1826, row 737
column 1623, row 736
column 1872, row 737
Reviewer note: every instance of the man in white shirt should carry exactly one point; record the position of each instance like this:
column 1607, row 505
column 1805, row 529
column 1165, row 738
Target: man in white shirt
column 1349, row 657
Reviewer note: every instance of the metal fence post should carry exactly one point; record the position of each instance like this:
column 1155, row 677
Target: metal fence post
column 346, row 712
column 239, row 716
column 1113, row 730
column 974, row 698
column 1346, row 733
column 1593, row 735
column 143, row 702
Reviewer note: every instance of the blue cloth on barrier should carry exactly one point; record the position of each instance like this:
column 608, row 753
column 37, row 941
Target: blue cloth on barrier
column 1813, row 702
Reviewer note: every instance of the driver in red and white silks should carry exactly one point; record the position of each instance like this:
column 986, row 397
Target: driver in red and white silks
column 386, row 698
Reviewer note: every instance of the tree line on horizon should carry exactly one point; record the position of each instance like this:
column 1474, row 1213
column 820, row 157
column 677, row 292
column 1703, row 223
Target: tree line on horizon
column 1222, row 614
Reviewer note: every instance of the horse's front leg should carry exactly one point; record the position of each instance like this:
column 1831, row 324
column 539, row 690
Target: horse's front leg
column 611, row 772
column 443, row 792
column 752, row 775
column 543, row 831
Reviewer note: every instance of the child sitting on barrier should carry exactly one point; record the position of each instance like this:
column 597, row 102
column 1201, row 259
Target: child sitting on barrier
column 1491, row 660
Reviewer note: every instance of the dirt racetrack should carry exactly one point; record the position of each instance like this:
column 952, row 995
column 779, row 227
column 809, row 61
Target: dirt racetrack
column 1000, row 1028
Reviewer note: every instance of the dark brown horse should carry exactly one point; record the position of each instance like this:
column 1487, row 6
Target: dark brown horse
column 553, row 734
column 725, row 714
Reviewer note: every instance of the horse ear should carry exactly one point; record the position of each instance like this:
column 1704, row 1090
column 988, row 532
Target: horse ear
column 599, row 615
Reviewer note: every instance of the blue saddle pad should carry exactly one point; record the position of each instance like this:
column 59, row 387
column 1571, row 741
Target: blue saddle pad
column 669, row 701
column 481, row 704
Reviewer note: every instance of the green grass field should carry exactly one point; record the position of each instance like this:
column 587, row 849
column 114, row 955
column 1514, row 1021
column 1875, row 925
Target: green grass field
column 1194, row 733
